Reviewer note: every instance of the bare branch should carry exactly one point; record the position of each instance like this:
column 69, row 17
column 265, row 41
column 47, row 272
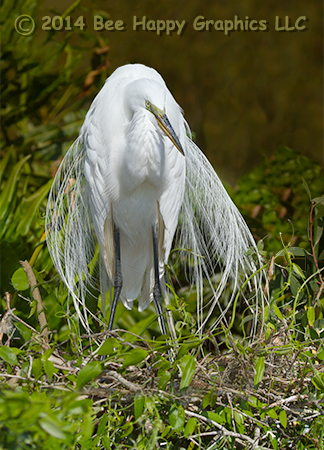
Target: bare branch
column 37, row 296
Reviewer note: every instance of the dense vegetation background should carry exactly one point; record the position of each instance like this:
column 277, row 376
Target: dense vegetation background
column 254, row 101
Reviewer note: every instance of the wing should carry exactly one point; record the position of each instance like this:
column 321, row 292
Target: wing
column 71, row 239
column 213, row 229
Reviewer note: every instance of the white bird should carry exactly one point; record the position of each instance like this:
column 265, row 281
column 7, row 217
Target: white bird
column 129, row 180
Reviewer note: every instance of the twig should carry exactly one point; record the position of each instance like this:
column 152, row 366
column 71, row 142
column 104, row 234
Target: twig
column 117, row 377
column 30, row 367
column 232, row 412
column 281, row 402
column 5, row 324
column 37, row 296
column 32, row 380
column 319, row 293
column 207, row 433
column 9, row 312
column 256, row 438
column 220, row 427
column 252, row 419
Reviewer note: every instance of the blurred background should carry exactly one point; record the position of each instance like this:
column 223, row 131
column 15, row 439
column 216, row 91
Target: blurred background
column 253, row 99
column 242, row 94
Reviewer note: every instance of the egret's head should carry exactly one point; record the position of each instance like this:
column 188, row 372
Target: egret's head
column 151, row 96
column 164, row 124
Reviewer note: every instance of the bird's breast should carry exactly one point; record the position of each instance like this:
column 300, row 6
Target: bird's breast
column 145, row 153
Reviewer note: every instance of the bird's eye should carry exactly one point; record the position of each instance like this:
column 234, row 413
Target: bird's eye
column 147, row 104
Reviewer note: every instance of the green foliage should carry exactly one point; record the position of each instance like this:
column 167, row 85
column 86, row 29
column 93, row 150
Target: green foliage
column 275, row 200
column 214, row 391
column 52, row 420
column 44, row 101
column 188, row 367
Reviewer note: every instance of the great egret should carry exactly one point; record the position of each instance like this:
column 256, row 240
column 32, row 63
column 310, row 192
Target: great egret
column 129, row 178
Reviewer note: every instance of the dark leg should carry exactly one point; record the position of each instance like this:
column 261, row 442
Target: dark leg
column 118, row 281
column 157, row 294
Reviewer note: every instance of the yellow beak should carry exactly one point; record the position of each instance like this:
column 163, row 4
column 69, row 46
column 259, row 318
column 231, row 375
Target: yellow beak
column 166, row 127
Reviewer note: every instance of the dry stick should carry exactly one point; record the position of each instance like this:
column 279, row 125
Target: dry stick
column 5, row 323
column 7, row 316
column 37, row 296
column 220, row 427
column 117, row 377
column 33, row 380
column 281, row 402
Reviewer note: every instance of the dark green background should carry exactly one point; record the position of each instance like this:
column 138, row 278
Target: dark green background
column 243, row 94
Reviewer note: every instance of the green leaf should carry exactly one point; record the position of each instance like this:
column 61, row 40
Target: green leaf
column 20, row 280
column 188, row 367
column 277, row 311
column 307, row 189
column 8, row 355
column 214, row 416
column 81, row 407
column 106, row 442
column 28, row 208
column 102, row 425
column 298, row 270
column 259, row 370
column 135, row 356
column 311, row 315
column 272, row 413
column 238, row 418
column 167, row 431
column 49, row 369
column 163, row 367
column 319, row 200
column 10, row 186
column 269, row 329
column 319, row 211
column 283, row 418
column 320, row 355
column 163, row 381
column 206, row 399
column 108, row 347
column 138, row 328
column 294, row 285
column 4, row 162
column 128, row 428
column 37, row 368
column 190, row 427
column 260, row 245
column 284, row 349
column 274, row 443
column 253, row 401
column 88, row 373
column 318, row 381
column 177, row 417
column 87, row 426
column 318, row 231
column 138, row 405
column 52, row 427
column 298, row 251
column 24, row 331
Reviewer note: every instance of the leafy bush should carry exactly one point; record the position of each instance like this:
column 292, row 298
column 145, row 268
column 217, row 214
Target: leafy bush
column 45, row 96
column 275, row 201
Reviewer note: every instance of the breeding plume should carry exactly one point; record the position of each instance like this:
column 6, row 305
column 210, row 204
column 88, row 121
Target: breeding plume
column 130, row 183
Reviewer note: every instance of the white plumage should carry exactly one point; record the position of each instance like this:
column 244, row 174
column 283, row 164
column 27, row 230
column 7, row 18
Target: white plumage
column 126, row 172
